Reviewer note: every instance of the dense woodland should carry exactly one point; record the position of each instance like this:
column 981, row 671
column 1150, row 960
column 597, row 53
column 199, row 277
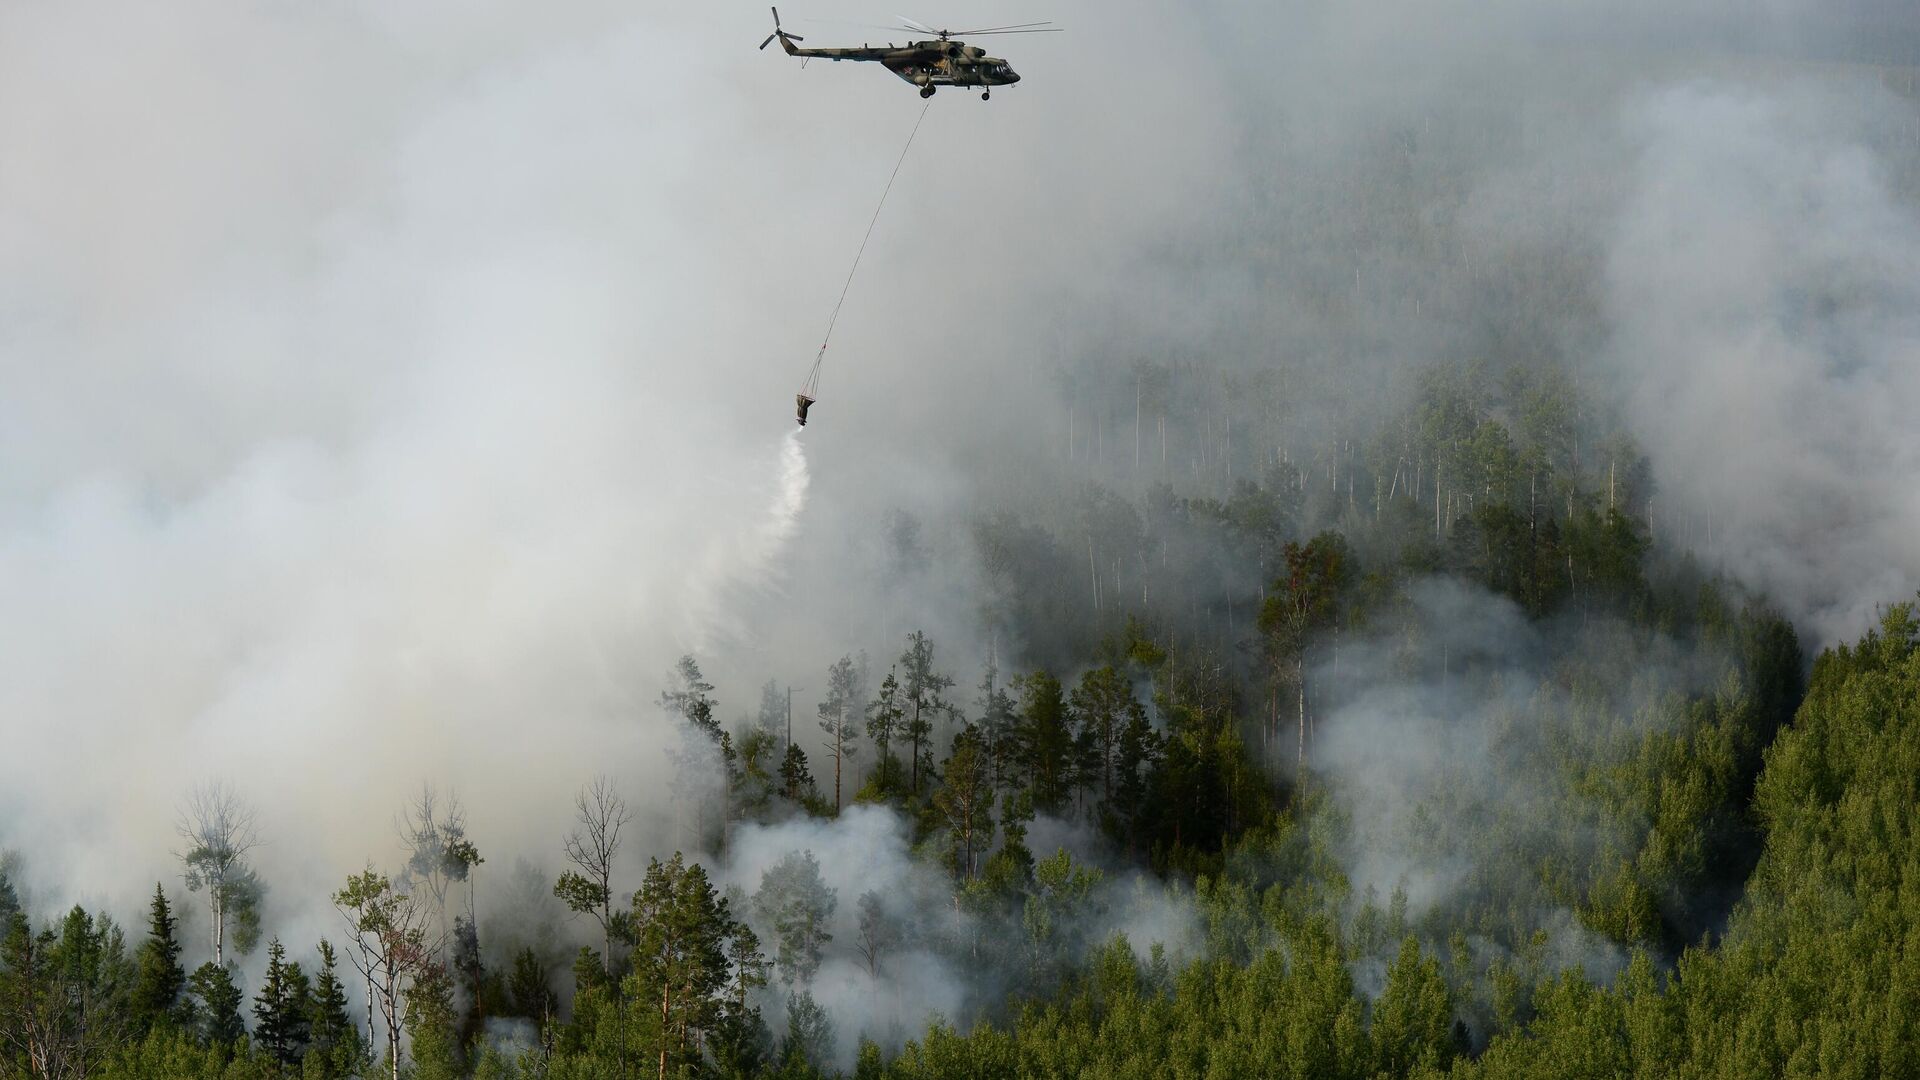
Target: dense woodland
column 1642, row 831
column 1733, row 850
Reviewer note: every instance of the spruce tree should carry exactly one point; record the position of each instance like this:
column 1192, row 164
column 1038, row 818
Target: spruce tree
column 283, row 1010
column 795, row 779
column 220, row 999
column 331, row 1033
column 529, row 992
column 159, row 982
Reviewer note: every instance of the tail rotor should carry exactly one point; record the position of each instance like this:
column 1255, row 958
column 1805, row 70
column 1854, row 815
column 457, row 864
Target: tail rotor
column 778, row 32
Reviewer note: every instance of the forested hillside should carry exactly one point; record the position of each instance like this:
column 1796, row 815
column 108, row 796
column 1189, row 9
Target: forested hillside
column 1473, row 781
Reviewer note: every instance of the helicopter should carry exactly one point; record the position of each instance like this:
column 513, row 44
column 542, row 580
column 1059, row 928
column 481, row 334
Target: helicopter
column 939, row 61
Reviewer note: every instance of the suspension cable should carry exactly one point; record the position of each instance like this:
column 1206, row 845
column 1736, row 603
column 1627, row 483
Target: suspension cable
column 812, row 385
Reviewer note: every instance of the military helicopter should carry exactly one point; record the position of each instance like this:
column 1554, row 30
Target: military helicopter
column 940, row 61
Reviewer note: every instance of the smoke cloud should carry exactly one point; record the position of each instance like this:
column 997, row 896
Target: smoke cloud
column 1763, row 288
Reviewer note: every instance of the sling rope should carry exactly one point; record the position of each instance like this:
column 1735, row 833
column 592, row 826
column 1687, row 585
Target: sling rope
column 812, row 385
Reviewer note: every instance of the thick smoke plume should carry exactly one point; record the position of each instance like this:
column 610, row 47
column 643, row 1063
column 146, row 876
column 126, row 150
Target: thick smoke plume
column 1465, row 747
column 1763, row 281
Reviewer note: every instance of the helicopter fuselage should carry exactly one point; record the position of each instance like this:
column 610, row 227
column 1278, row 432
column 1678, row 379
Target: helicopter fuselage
column 924, row 63
column 951, row 63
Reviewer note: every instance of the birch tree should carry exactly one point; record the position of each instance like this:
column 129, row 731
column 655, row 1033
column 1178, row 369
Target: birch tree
column 218, row 829
column 391, row 946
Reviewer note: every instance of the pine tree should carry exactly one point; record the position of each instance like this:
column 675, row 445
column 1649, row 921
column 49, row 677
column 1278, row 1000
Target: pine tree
column 925, row 697
column 1413, row 1019
column 160, row 983
column 1104, row 703
column 877, row 932
column 965, row 802
column 996, row 726
column 809, row 1041
column 740, row 1044
column 772, row 718
column 884, row 717
column 693, row 701
column 1045, row 741
column 837, row 718
column 1297, row 605
column 680, row 965
column 9, row 899
column 795, row 901
column 1134, row 760
column 283, row 1010
column 757, row 768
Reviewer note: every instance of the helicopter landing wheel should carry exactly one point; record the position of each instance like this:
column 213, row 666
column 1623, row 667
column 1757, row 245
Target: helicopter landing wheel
column 985, row 94
column 926, row 91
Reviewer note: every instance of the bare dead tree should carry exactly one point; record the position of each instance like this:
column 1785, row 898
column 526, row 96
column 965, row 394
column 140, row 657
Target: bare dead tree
column 434, row 831
column 591, row 848
column 218, row 829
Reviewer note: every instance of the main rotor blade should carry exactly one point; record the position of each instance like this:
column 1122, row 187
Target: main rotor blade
column 916, row 25
column 992, row 33
column 998, row 29
column 861, row 25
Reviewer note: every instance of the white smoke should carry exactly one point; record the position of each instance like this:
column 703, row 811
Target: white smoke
column 1764, row 286
column 865, row 849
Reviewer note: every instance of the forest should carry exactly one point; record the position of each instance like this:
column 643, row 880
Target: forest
column 1639, row 837
column 1438, row 605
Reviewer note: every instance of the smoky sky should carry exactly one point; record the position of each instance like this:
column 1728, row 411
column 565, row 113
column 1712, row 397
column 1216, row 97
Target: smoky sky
column 392, row 393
